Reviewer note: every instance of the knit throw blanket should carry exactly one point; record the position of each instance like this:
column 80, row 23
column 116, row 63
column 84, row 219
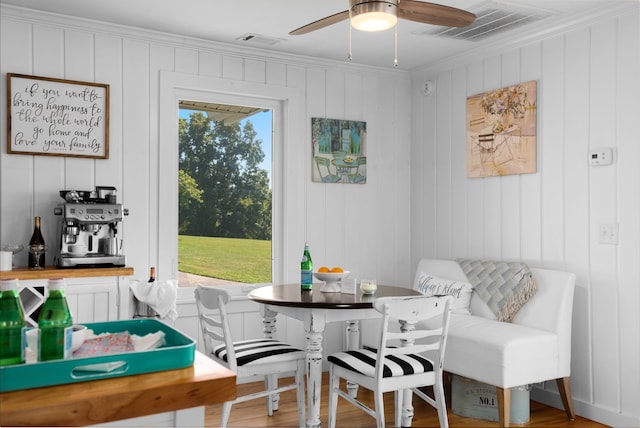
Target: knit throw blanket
column 504, row 286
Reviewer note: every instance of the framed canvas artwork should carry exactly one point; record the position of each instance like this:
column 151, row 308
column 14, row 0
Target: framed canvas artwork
column 501, row 131
column 339, row 151
column 57, row 117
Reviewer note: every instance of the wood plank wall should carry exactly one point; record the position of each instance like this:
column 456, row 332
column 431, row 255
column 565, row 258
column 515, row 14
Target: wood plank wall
column 417, row 201
column 364, row 228
column 588, row 91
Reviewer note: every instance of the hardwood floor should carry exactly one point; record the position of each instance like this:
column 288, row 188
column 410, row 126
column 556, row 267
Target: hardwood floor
column 253, row 413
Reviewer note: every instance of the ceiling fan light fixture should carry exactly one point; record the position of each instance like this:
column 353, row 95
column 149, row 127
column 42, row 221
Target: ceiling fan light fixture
column 373, row 15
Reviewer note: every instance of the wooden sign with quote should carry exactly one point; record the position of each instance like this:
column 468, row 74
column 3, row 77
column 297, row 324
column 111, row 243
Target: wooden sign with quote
column 56, row 117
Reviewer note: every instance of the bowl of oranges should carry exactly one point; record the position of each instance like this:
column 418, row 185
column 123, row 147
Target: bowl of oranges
column 331, row 277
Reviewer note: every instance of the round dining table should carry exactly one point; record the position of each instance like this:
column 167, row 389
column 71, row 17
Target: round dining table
column 315, row 309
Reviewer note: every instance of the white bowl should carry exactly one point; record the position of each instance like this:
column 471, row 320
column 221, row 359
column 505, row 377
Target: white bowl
column 331, row 276
column 331, row 280
column 78, row 336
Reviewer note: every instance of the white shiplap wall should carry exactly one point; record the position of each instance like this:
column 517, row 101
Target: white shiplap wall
column 362, row 227
column 588, row 89
column 359, row 226
column 416, row 192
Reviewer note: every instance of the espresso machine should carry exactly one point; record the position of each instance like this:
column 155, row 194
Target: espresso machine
column 88, row 228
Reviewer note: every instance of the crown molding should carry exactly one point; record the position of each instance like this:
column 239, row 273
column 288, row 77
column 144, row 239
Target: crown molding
column 32, row 16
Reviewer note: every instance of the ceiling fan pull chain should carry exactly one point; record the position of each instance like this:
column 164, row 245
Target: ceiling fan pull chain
column 350, row 55
column 395, row 59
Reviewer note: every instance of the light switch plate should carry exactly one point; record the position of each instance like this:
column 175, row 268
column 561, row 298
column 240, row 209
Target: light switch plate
column 608, row 233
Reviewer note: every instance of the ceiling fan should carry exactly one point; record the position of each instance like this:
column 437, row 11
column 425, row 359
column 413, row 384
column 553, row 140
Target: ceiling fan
column 378, row 15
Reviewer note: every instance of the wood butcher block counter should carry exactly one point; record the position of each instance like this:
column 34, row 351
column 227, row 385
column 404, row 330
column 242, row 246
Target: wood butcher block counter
column 99, row 401
column 105, row 289
column 23, row 273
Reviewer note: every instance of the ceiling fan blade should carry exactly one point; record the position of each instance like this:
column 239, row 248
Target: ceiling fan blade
column 321, row 23
column 435, row 14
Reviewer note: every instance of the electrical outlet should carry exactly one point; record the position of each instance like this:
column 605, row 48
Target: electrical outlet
column 427, row 89
column 609, row 233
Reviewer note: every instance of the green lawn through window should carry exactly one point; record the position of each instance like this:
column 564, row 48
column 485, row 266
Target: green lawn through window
column 233, row 259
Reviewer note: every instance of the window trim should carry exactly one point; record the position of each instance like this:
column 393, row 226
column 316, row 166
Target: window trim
column 284, row 103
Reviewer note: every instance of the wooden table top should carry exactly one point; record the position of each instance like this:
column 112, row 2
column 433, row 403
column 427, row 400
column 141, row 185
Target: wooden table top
column 99, row 401
column 292, row 295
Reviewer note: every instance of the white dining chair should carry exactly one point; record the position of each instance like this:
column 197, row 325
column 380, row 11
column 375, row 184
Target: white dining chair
column 404, row 360
column 247, row 358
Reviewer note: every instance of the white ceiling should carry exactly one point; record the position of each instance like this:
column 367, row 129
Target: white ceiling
column 226, row 21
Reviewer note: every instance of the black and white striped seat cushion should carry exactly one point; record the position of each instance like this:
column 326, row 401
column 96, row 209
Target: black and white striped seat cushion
column 363, row 361
column 259, row 351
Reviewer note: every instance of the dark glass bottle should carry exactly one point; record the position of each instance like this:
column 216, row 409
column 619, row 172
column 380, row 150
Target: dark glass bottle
column 11, row 324
column 306, row 269
column 55, row 324
column 36, row 247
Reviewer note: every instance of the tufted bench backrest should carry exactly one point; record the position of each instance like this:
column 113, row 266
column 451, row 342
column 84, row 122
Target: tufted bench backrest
column 549, row 309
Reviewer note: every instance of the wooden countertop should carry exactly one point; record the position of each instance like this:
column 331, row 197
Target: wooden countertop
column 23, row 273
column 99, row 401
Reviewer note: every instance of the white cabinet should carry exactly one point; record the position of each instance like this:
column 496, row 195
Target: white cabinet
column 91, row 299
column 193, row 417
column 93, row 294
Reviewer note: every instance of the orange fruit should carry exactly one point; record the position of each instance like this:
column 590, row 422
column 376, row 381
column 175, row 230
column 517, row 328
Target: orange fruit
column 337, row 269
column 323, row 269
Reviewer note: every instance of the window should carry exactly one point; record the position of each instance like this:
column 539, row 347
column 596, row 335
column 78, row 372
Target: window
column 225, row 193
column 288, row 112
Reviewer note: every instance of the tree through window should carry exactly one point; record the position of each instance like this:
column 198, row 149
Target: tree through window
column 225, row 194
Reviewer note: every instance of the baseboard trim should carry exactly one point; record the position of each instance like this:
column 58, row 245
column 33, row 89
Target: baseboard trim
column 586, row 410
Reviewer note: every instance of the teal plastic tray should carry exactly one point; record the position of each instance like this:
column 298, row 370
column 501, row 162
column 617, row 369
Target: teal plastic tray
column 179, row 352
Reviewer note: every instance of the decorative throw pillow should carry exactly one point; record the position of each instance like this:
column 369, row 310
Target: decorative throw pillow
column 430, row 285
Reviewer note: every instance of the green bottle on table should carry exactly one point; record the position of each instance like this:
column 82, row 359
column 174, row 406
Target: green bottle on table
column 55, row 323
column 11, row 324
column 306, row 270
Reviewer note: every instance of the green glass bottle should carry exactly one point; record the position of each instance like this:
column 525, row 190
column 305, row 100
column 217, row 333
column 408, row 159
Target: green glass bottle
column 11, row 324
column 306, row 269
column 55, row 323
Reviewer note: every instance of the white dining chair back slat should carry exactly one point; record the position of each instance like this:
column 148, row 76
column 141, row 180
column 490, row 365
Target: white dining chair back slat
column 265, row 357
column 403, row 361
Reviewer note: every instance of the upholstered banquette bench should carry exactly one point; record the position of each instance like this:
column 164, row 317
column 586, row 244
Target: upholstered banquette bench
column 532, row 345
